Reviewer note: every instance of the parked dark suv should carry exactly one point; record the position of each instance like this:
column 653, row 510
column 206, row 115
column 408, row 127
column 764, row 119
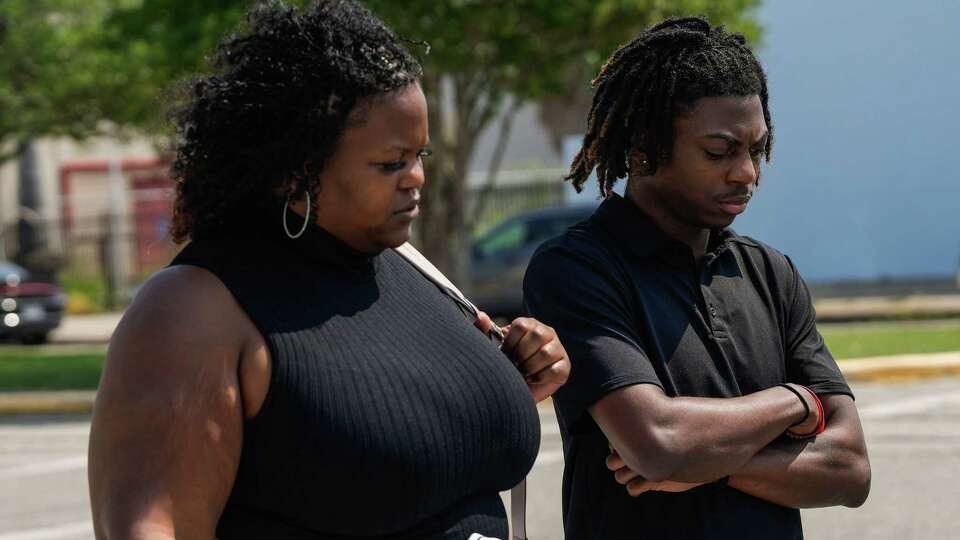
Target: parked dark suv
column 29, row 307
column 499, row 258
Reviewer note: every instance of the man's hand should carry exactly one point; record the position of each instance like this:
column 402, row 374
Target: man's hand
column 538, row 354
column 637, row 484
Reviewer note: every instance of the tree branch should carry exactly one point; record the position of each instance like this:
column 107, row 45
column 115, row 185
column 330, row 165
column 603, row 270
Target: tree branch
column 496, row 161
column 11, row 151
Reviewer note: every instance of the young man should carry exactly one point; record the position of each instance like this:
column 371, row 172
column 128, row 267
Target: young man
column 694, row 350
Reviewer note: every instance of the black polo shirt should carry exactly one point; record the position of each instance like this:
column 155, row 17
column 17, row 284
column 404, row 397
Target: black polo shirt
column 632, row 306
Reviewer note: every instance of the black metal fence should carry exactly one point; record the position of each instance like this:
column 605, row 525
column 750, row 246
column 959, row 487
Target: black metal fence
column 98, row 259
column 101, row 259
column 503, row 202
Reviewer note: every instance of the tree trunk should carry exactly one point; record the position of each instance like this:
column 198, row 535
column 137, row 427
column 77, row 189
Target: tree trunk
column 443, row 230
column 28, row 195
column 432, row 222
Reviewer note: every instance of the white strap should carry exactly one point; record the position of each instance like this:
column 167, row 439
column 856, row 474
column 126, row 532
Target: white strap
column 518, row 510
column 418, row 261
column 421, row 263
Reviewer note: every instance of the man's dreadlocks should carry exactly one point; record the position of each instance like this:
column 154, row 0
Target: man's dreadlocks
column 651, row 80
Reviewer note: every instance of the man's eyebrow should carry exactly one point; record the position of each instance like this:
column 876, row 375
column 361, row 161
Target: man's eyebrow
column 724, row 136
column 406, row 148
column 733, row 140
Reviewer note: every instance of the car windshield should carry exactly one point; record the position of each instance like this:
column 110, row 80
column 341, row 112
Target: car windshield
column 8, row 268
column 523, row 233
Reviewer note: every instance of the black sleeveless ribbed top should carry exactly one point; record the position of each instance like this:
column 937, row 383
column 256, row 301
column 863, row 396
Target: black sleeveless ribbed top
column 388, row 414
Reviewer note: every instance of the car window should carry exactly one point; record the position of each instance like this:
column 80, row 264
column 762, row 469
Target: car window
column 520, row 234
column 7, row 268
column 509, row 237
column 542, row 230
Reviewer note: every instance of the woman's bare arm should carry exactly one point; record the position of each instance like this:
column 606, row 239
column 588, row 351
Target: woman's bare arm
column 167, row 425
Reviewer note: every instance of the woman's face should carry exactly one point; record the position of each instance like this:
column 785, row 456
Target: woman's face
column 370, row 188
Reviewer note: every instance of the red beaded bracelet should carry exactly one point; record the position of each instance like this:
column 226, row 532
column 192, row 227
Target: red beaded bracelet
column 822, row 422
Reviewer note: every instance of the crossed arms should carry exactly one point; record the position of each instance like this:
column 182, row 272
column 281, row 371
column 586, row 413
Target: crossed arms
column 673, row 444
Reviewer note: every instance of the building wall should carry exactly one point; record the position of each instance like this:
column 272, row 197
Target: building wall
column 71, row 222
column 863, row 183
column 52, row 155
column 529, row 146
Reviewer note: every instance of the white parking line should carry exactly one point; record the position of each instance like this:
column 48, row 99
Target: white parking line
column 44, row 467
column 907, row 406
column 66, row 530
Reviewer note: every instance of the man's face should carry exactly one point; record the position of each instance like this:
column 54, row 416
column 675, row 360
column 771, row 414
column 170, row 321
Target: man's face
column 715, row 164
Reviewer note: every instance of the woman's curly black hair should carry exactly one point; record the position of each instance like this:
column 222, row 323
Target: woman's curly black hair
column 646, row 83
column 270, row 114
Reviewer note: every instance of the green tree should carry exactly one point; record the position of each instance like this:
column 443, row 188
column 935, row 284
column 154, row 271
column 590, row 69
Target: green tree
column 49, row 70
column 487, row 57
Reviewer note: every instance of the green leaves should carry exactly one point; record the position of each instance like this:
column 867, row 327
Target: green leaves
column 528, row 46
column 48, row 68
column 66, row 66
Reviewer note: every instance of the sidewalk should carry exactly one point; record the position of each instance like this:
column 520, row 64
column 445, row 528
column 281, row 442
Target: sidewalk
column 887, row 307
column 86, row 329
column 876, row 369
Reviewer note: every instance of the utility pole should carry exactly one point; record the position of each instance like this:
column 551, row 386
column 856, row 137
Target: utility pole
column 29, row 231
column 117, row 234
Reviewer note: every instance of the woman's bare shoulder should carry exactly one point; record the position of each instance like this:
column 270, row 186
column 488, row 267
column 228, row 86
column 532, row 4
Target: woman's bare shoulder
column 183, row 301
column 182, row 321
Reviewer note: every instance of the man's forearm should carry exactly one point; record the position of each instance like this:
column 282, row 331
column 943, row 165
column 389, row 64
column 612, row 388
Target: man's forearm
column 693, row 439
column 831, row 470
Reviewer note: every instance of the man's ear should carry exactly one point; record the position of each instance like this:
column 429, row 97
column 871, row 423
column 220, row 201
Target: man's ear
column 639, row 163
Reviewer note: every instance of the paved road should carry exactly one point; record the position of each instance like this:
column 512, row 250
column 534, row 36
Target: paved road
column 913, row 432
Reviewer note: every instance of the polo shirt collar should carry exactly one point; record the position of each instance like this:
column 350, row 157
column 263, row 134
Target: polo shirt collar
column 640, row 235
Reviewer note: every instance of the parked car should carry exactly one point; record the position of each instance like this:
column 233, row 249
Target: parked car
column 499, row 258
column 30, row 307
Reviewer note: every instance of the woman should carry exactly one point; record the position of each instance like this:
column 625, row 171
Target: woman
column 290, row 375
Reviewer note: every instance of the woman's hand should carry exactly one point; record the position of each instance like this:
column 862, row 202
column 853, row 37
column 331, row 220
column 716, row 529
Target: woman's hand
column 538, row 354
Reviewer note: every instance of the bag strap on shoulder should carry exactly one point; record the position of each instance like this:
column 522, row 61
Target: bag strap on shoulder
column 421, row 263
column 518, row 495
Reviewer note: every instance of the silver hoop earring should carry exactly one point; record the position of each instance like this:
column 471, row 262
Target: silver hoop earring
column 306, row 219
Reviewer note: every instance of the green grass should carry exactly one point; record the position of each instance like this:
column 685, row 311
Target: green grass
column 50, row 368
column 884, row 339
column 78, row 368
column 86, row 291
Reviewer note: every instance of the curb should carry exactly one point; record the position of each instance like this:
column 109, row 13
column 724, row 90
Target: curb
column 62, row 402
column 875, row 369
column 879, row 308
column 901, row 368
